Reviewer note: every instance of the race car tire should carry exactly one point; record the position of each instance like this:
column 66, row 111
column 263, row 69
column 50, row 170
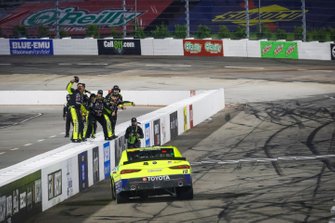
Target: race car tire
column 113, row 190
column 184, row 193
column 121, row 198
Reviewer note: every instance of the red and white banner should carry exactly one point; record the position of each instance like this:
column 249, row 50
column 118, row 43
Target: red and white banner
column 203, row 47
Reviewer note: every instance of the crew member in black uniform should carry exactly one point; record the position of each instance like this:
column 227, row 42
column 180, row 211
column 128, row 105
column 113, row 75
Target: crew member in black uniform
column 114, row 101
column 67, row 116
column 96, row 114
column 76, row 108
column 134, row 134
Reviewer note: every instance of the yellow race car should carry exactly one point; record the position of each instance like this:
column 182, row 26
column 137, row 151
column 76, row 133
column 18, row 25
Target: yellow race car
column 151, row 171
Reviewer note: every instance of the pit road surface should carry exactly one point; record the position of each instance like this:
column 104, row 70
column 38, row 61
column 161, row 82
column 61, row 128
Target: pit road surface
column 275, row 109
column 27, row 131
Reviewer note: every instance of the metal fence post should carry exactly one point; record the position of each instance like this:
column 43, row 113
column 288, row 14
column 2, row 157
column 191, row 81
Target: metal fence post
column 187, row 12
column 124, row 18
column 247, row 31
column 304, row 31
column 57, row 20
column 259, row 17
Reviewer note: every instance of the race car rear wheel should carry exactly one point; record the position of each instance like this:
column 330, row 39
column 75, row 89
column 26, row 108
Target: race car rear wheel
column 184, row 193
column 113, row 190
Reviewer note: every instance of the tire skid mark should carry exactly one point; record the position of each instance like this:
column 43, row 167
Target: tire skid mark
column 314, row 150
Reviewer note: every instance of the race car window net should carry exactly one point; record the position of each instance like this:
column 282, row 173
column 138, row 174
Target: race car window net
column 146, row 155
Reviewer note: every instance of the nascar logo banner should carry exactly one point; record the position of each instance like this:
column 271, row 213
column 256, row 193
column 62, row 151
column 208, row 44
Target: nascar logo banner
column 203, row 47
column 272, row 49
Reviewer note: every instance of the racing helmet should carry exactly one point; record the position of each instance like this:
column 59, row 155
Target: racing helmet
column 116, row 90
column 100, row 92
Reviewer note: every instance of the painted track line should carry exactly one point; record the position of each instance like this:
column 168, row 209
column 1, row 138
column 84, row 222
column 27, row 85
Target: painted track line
column 28, row 144
column 1, row 153
column 262, row 160
column 40, row 140
column 14, row 149
column 240, row 67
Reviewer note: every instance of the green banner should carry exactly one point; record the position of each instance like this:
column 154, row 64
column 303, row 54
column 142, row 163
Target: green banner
column 272, row 49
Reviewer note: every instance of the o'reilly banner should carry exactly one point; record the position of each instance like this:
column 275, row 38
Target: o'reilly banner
column 31, row 47
column 119, row 47
column 332, row 51
column 272, row 49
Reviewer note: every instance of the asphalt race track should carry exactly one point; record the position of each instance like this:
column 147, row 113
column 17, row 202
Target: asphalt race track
column 28, row 131
column 268, row 157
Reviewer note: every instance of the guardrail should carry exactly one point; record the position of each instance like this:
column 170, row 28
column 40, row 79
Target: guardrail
column 171, row 47
column 43, row 181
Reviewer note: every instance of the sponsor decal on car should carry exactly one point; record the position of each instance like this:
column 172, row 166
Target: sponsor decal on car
column 156, row 178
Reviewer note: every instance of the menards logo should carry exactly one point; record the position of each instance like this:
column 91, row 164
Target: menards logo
column 73, row 17
column 272, row 13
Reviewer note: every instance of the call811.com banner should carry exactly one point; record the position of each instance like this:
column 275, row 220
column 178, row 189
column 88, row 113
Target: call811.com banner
column 119, row 47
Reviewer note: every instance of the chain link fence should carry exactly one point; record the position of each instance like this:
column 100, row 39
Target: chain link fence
column 254, row 19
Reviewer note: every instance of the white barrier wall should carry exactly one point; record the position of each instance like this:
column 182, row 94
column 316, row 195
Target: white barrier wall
column 75, row 47
column 50, row 178
column 4, row 47
column 162, row 47
column 58, row 97
column 235, row 48
column 147, row 47
column 314, row 51
column 174, row 47
column 168, row 47
column 253, row 48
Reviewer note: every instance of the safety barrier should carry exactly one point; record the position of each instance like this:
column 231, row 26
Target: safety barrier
column 45, row 180
column 58, row 97
column 171, row 47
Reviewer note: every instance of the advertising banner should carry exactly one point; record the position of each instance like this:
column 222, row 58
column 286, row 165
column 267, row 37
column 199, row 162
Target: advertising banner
column 272, row 49
column 21, row 198
column 147, row 134
column 69, row 178
column 54, row 184
column 107, row 162
column 73, row 17
column 165, row 129
column 203, row 47
column 191, row 115
column 120, row 145
column 174, row 125
column 95, row 162
column 185, row 118
column 119, row 47
column 31, row 47
column 332, row 51
column 83, row 171
column 157, row 132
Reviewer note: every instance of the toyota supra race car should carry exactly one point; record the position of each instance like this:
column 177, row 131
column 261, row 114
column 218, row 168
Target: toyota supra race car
column 151, row 171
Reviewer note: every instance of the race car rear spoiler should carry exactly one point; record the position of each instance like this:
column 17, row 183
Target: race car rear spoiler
column 151, row 159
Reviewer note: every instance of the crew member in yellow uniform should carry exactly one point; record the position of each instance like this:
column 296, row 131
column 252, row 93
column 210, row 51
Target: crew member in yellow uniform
column 76, row 108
